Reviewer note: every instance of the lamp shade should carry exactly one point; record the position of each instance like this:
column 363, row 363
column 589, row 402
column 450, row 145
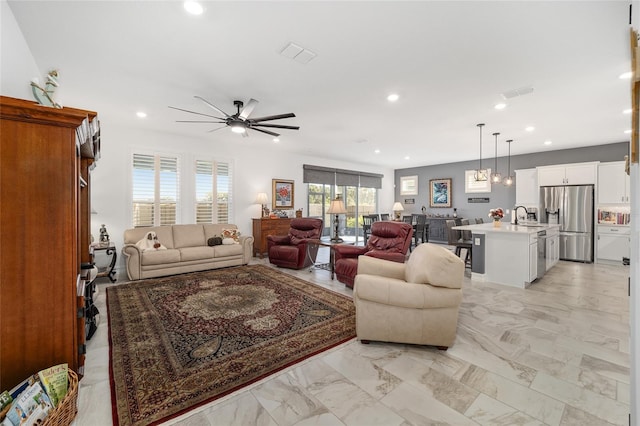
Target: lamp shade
column 397, row 207
column 337, row 207
column 261, row 198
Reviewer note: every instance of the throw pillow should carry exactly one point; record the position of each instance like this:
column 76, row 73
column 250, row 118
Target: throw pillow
column 150, row 242
column 214, row 241
column 228, row 241
column 231, row 233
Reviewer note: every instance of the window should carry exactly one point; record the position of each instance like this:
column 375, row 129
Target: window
column 213, row 191
column 156, row 188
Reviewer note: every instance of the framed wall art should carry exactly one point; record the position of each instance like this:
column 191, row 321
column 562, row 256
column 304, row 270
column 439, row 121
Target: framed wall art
column 409, row 185
column 440, row 192
column 282, row 195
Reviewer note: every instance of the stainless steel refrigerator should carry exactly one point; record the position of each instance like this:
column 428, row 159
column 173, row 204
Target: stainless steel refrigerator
column 572, row 208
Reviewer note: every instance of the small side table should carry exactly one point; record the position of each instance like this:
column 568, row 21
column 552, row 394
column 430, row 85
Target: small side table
column 325, row 242
column 110, row 250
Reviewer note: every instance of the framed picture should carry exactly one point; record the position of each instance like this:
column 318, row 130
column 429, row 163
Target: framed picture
column 440, row 192
column 471, row 185
column 282, row 194
column 409, row 185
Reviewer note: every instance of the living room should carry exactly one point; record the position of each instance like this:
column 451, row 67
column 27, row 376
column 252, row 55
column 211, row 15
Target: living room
column 256, row 160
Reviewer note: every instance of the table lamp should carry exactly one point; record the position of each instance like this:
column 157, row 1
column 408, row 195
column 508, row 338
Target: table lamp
column 397, row 208
column 261, row 198
column 336, row 208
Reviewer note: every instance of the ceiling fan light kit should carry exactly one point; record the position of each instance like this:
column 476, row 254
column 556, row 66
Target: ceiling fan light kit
column 240, row 121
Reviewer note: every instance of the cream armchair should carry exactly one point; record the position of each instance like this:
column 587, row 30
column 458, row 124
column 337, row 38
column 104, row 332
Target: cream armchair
column 413, row 302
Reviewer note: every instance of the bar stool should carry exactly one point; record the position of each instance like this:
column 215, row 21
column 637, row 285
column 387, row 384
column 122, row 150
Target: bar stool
column 455, row 238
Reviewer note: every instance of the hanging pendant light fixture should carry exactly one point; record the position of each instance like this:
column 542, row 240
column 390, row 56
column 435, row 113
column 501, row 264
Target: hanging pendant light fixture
column 480, row 175
column 508, row 181
column 495, row 176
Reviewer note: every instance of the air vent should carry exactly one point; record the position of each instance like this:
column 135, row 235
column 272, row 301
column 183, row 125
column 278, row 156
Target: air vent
column 297, row 53
column 517, row 92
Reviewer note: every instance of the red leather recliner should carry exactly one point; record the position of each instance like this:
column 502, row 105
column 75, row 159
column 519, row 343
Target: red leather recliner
column 388, row 240
column 290, row 251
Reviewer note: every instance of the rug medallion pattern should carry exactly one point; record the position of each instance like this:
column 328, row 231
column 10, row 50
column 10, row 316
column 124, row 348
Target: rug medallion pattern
column 181, row 341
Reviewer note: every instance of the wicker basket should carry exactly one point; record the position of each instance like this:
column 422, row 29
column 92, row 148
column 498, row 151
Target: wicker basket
column 66, row 410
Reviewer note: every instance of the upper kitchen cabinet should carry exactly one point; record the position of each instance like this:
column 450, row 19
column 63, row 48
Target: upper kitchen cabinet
column 613, row 183
column 568, row 174
column 527, row 192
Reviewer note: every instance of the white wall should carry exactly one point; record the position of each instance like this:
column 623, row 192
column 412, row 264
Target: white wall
column 17, row 65
column 253, row 170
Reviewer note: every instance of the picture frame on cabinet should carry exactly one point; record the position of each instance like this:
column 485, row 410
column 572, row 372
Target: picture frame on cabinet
column 282, row 194
column 440, row 192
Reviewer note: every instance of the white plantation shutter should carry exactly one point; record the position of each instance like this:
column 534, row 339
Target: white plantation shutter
column 213, row 191
column 156, row 188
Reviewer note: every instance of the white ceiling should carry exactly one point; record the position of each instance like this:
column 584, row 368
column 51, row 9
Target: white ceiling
column 448, row 61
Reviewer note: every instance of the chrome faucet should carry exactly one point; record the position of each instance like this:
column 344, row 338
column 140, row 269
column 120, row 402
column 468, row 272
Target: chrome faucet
column 515, row 213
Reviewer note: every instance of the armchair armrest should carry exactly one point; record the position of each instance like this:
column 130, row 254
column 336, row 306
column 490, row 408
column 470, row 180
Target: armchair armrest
column 393, row 257
column 348, row 252
column 133, row 259
column 368, row 265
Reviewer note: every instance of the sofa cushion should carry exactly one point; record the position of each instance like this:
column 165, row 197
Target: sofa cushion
column 196, row 253
column 188, row 236
column 230, row 250
column 159, row 257
column 434, row 265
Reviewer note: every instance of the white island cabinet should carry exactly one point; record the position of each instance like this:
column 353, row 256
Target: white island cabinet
column 508, row 254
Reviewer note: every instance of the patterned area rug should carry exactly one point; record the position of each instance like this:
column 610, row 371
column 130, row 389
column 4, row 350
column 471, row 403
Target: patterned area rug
column 182, row 341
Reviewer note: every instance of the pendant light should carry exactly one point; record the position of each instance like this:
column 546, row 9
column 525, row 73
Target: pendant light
column 495, row 176
column 480, row 175
column 508, row 181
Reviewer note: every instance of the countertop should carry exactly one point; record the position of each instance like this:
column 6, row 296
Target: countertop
column 506, row 227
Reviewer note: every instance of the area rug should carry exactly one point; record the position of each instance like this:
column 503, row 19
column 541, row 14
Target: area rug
column 182, row 341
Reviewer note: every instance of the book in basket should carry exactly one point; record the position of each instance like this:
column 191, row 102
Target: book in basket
column 55, row 380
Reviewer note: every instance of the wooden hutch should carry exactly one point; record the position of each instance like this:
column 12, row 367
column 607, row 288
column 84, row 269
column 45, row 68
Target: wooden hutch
column 46, row 158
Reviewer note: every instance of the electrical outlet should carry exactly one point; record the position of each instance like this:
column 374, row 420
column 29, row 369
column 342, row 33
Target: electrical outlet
column 476, row 241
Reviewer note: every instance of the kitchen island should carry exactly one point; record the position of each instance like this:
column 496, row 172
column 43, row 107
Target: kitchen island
column 511, row 254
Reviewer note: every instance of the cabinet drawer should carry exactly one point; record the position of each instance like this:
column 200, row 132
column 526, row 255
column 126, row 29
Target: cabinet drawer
column 619, row 230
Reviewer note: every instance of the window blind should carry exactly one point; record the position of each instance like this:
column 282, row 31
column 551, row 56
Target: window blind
column 155, row 190
column 214, row 191
column 329, row 176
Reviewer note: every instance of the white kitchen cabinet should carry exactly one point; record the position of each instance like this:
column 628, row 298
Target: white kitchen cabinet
column 567, row 174
column 613, row 242
column 527, row 192
column 533, row 259
column 613, row 183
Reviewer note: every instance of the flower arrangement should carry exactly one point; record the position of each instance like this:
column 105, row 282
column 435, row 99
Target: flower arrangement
column 496, row 214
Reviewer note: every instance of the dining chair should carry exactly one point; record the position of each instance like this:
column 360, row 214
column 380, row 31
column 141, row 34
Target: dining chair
column 384, row 216
column 420, row 229
column 367, row 221
column 479, row 220
column 407, row 219
column 455, row 239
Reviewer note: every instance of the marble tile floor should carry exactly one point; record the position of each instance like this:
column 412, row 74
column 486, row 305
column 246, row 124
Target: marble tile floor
column 556, row 353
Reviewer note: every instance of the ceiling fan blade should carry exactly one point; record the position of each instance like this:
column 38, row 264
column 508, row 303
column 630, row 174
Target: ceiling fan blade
column 212, row 106
column 248, row 108
column 277, row 126
column 199, row 113
column 264, row 131
column 273, row 117
column 216, row 129
column 200, row 121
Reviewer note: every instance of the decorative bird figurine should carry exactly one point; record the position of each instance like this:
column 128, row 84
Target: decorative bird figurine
column 45, row 96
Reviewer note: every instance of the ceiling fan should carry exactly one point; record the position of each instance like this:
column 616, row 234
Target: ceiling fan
column 240, row 121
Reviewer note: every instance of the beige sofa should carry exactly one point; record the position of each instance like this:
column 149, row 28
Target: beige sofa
column 414, row 302
column 186, row 250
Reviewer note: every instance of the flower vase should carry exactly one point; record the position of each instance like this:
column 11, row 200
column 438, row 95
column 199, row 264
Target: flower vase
column 496, row 223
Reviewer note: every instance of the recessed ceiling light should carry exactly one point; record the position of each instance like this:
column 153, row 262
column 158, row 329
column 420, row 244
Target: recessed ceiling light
column 627, row 131
column 193, row 7
column 141, row 114
column 529, row 128
column 276, row 140
column 626, row 75
column 627, row 111
column 548, row 142
column 407, row 158
column 393, row 97
column 501, row 105
column 377, row 151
